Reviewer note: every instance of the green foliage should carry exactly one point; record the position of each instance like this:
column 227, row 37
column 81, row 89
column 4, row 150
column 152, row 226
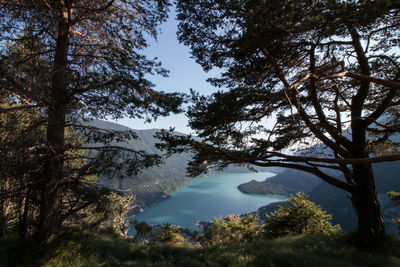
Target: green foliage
column 170, row 235
column 84, row 204
column 396, row 197
column 142, row 228
column 22, row 133
column 299, row 217
column 104, row 75
column 231, row 229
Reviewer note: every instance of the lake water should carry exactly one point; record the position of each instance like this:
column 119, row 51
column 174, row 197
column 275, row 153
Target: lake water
column 207, row 197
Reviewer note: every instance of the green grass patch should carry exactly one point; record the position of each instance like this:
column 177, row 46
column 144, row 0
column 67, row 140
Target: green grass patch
column 108, row 250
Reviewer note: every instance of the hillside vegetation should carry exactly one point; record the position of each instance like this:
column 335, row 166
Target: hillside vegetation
column 299, row 233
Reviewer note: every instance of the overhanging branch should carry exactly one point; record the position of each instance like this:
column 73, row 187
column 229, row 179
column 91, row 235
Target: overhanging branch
column 354, row 161
column 361, row 77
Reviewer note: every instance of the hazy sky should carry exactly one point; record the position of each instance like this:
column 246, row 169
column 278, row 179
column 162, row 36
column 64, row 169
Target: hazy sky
column 184, row 74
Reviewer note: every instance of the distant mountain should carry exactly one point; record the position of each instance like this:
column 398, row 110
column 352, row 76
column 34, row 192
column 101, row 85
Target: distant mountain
column 155, row 183
column 288, row 182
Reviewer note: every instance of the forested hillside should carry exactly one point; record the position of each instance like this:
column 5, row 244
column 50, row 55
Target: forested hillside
column 152, row 184
column 285, row 183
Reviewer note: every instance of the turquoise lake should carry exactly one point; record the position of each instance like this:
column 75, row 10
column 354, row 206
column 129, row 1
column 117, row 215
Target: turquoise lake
column 207, row 197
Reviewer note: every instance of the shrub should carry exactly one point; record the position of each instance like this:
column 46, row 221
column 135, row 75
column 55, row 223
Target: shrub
column 231, row 229
column 170, row 235
column 300, row 216
column 142, row 229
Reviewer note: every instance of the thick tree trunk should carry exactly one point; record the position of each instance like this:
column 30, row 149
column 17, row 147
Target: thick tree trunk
column 50, row 209
column 365, row 201
column 364, row 197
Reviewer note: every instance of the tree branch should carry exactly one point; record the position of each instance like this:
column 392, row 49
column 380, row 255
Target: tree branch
column 320, row 135
column 352, row 161
column 4, row 110
column 334, row 132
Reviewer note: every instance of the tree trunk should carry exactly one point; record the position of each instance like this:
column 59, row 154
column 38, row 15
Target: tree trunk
column 4, row 208
column 50, row 209
column 365, row 201
column 23, row 220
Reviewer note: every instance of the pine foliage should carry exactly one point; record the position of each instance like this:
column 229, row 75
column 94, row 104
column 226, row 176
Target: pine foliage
column 299, row 217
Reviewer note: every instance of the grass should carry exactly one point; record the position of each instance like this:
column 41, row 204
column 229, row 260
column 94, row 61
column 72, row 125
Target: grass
column 107, row 250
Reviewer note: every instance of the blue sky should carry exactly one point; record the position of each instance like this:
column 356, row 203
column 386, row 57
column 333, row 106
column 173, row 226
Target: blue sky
column 184, row 74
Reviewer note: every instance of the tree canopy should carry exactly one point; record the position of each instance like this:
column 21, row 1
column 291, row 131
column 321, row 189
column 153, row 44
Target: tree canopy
column 326, row 71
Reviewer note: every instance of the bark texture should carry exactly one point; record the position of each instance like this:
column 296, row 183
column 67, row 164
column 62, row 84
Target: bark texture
column 50, row 209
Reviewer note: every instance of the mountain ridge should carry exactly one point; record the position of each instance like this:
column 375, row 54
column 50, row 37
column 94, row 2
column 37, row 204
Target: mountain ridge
column 153, row 184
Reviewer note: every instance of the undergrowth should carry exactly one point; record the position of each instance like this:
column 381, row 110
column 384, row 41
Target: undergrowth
column 110, row 250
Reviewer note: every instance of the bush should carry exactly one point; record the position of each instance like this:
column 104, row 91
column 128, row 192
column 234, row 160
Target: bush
column 142, row 229
column 299, row 217
column 231, row 229
column 396, row 197
column 170, row 235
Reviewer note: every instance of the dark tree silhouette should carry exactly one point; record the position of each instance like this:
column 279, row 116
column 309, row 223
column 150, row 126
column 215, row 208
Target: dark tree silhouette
column 328, row 71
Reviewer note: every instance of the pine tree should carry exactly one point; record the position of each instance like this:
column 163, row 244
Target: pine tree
column 76, row 60
column 327, row 71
